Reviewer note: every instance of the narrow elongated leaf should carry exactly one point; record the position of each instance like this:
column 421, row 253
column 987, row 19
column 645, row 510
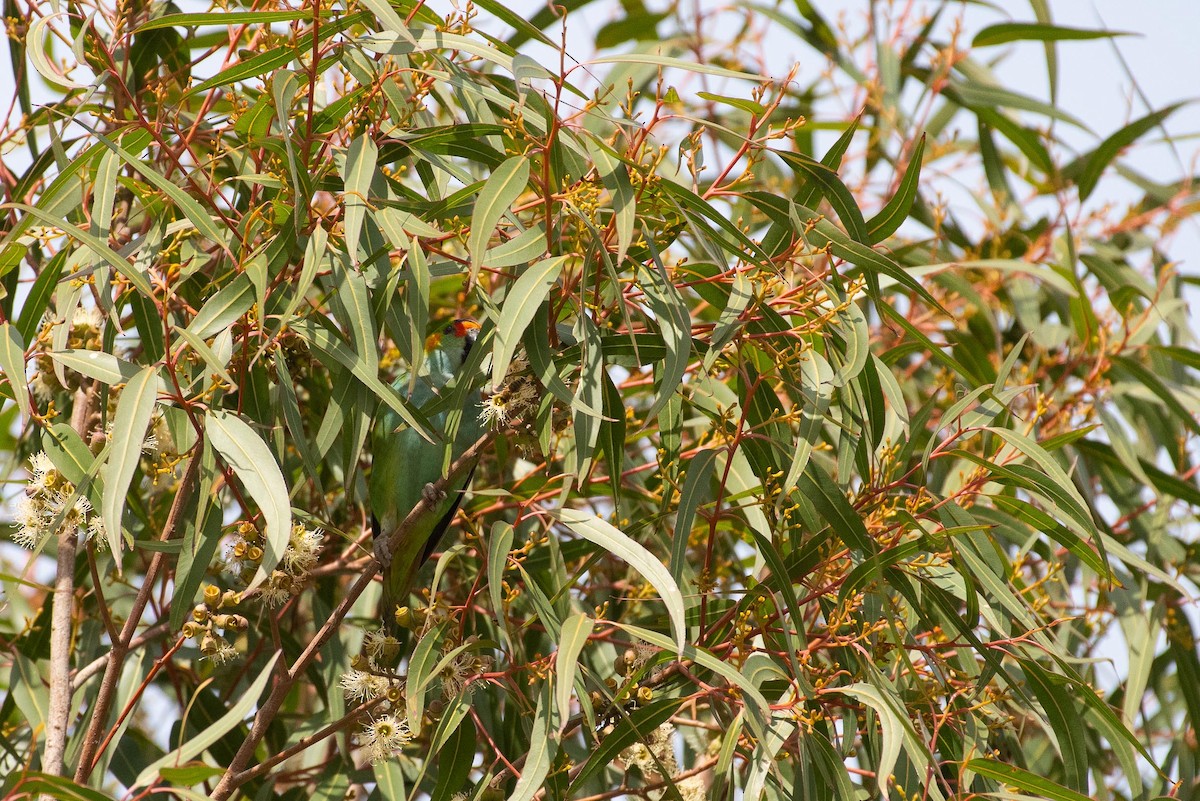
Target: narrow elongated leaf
column 503, row 187
column 327, row 342
column 1005, row 32
column 103, row 367
column 1088, row 168
column 832, row 188
column 134, row 412
column 101, row 249
column 421, row 671
column 1024, row 780
column 12, row 362
column 543, row 744
column 757, row 704
column 573, row 636
column 520, row 305
column 200, row 743
column 277, row 57
column 212, row 361
column 624, row 200
column 893, row 215
column 190, row 207
column 672, row 316
column 360, row 169
column 224, row 18
column 223, row 308
column 676, row 63
column 255, row 466
column 616, row 542
column 695, row 487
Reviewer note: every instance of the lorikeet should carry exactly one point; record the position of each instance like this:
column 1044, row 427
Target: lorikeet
column 404, row 465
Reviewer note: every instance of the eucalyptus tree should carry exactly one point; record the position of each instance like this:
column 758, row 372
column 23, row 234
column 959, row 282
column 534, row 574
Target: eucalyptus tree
column 835, row 443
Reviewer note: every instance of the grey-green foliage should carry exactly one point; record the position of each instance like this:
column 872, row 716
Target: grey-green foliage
column 799, row 481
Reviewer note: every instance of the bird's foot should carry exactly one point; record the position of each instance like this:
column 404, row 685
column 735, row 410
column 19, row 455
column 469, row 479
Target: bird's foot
column 383, row 554
column 433, row 495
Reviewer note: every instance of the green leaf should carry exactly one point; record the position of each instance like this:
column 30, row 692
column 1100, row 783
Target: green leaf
column 748, row 106
column 325, row 341
column 191, row 774
column 1024, row 780
column 360, row 169
column 572, row 637
column 421, row 672
column 832, row 505
column 101, row 249
column 523, row 248
column 543, row 745
column 833, row 190
column 615, row 177
column 59, row 787
column 104, row 367
column 135, row 408
column 255, row 466
column 1064, row 716
column 893, row 215
column 278, row 56
column 12, row 362
column 190, row 207
column 1088, row 168
column 504, row 186
column 454, row 761
column 520, row 306
column 653, row 60
column 212, row 361
column 675, row 323
column 226, row 18
column 756, row 703
column 896, row 732
column 616, row 542
column 197, row 745
column 1005, row 32
column 695, row 487
column 223, row 307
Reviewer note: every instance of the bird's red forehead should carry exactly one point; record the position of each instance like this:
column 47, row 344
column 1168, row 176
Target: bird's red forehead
column 461, row 327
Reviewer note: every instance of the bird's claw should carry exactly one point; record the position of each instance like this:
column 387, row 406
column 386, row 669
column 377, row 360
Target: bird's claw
column 383, row 554
column 432, row 494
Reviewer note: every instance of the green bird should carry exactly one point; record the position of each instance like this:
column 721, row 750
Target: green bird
column 405, row 466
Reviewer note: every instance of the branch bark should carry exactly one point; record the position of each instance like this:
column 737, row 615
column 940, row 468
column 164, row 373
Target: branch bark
column 59, row 707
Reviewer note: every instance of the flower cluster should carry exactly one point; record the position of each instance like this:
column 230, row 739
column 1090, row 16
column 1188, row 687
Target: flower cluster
column 84, row 334
column 212, row 627
column 368, row 680
column 458, row 674
column 245, row 554
column 516, row 400
column 50, row 504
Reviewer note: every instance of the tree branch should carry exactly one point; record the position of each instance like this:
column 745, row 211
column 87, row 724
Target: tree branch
column 59, row 707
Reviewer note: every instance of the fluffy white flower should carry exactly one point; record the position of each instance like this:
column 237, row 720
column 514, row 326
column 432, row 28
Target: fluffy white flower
column 32, row 524
column 383, row 737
